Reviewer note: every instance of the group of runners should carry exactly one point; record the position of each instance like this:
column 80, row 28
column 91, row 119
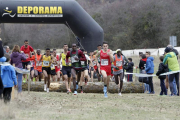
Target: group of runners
column 74, row 65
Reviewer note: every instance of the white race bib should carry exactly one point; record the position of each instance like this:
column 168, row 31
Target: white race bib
column 45, row 63
column 27, row 56
column 104, row 61
column 94, row 63
column 118, row 63
column 73, row 59
column 82, row 63
column 40, row 64
column 52, row 67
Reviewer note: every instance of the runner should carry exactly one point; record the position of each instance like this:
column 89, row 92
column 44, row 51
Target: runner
column 118, row 69
column 106, row 57
column 57, row 65
column 32, row 66
column 92, row 65
column 84, row 72
column 76, row 57
column 37, row 67
column 46, row 63
column 27, row 49
column 97, row 68
column 53, row 71
column 66, row 69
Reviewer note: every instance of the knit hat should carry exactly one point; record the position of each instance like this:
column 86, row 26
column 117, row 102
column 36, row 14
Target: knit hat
column 167, row 49
column 118, row 50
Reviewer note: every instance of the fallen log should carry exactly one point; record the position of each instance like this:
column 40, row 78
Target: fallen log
column 91, row 87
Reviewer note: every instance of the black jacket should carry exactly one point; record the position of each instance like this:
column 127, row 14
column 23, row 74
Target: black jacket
column 142, row 64
column 162, row 69
column 129, row 67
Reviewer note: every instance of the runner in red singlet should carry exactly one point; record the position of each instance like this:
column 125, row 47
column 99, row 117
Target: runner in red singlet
column 106, row 57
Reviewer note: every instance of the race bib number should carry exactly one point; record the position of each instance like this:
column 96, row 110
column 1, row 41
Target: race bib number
column 45, row 63
column 32, row 63
column 82, row 63
column 104, row 61
column 40, row 64
column 27, row 56
column 73, row 60
column 119, row 63
column 52, row 67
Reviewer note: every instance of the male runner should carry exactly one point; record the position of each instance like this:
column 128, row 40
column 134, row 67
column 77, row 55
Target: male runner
column 57, row 66
column 66, row 68
column 37, row 67
column 84, row 72
column 76, row 57
column 97, row 68
column 92, row 65
column 27, row 49
column 106, row 57
column 118, row 69
column 46, row 63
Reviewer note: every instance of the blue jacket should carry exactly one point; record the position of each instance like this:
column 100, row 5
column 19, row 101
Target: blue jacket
column 8, row 76
column 149, row 65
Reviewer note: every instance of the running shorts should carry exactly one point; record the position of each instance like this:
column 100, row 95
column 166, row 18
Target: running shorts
column 47, row 69
column 66, row 71
column 25, row 64
column 57, row 69
column 107, row 69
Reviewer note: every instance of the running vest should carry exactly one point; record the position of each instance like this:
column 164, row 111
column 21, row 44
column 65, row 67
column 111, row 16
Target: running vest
column 46, row 61
column 84, row 63
column 118, row 63
column 75, row 63
column 63, row 57
column 105, row 59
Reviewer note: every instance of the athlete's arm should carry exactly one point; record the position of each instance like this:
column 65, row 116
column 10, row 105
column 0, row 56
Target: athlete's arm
column 95, row 52
column 40, row 59
column 111, row 55
column 59, row 60
column 98, row 53
column 82, row 56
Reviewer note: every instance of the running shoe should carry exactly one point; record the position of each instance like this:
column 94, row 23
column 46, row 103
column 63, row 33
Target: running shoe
column 47, row 90
column 67, row 91
column 75, row 92
column 76, row 87
column 44, row 87
column 24, row 80
column 105, row 92
column 120, row 94
column 82, row 91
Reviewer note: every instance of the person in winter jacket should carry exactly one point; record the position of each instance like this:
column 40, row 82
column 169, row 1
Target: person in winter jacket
column 162, row 69
column 9, row 79
column 150, row 70
column 170, row 59
column 16, row 59
column 129, row 69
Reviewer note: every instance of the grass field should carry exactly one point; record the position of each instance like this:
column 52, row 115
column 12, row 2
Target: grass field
column 56, row 106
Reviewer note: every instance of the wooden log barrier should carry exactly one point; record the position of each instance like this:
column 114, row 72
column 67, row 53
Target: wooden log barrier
column 95, row 87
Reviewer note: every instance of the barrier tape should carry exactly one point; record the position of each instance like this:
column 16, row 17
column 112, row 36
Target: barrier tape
column 153, row 75
column 22, row 71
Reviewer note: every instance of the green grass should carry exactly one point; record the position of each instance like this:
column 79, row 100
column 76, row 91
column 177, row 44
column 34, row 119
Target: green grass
column 55, row 106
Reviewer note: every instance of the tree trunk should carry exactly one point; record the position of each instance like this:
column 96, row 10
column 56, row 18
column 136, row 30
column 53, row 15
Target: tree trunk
column 96, row 87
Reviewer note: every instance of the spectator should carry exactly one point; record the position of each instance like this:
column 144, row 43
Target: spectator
column 150, row 70
column 129, row 69
column 142, row 66
column 8, row 75
column 170, row 59
column 162, row 69
column 16, row 59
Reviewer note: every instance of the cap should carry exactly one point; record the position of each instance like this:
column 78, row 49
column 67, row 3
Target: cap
column 118, row 50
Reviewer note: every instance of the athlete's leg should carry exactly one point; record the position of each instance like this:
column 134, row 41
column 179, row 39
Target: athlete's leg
column 49, row 81
column 58, row 75
column 32, row 75
column 121, row 82
column 92, row 75
column 73, row 72
column 45, row 79
column 81, row 81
